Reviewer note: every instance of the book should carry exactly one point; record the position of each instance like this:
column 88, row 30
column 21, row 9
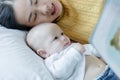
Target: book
column 106, row 35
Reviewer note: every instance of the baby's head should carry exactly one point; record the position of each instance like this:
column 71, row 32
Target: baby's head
column 46, row 39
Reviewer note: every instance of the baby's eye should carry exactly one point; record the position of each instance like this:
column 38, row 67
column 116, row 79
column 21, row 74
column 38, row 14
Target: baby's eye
column 55, row 38
column 62, row 33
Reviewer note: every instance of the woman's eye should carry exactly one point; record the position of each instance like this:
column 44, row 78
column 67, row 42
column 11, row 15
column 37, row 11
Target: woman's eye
column 55, row 38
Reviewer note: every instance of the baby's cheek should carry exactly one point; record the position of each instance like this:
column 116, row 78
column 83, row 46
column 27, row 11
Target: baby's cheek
column 59, row 47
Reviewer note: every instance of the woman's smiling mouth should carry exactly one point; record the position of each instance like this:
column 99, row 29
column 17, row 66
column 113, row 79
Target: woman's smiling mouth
column 54, row 9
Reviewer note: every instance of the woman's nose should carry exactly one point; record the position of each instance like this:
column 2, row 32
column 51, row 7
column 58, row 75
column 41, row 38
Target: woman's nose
column 45, row 9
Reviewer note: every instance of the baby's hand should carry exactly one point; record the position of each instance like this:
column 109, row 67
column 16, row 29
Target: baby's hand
column 79, row 47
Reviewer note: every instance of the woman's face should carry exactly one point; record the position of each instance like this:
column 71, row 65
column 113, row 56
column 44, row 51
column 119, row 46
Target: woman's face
column 33, row 12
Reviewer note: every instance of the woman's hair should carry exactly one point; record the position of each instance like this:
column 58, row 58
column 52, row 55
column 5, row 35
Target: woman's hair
column 7, row 16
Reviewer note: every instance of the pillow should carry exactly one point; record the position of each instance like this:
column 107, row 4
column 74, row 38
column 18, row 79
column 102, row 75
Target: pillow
column 80, row 17
column 17, row 60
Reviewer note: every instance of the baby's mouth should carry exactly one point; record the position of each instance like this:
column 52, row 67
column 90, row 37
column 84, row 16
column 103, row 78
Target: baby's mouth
column 67, row 44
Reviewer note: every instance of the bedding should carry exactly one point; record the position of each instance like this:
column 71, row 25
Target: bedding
column 17, row 60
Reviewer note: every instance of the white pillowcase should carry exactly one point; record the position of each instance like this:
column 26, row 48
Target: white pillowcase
column 17, row 60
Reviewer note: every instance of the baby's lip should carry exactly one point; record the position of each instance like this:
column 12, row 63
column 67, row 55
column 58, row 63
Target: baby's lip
column 67, row 43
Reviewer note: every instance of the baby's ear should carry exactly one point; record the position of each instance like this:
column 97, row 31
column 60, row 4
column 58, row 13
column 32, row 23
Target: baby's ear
column 42, row 53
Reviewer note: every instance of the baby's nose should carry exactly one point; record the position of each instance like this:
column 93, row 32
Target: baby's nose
column 63, row 38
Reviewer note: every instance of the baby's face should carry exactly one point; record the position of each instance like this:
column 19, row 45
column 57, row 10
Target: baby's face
column 55, row 40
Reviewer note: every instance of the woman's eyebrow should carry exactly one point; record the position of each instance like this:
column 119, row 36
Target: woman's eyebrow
column 29, row 17
column 35, row 16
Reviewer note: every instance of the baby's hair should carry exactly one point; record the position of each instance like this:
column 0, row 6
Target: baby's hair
column 34, row 35
column 30, row 37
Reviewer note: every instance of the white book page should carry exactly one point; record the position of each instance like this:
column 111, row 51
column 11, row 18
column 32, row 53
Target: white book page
column 105, row 31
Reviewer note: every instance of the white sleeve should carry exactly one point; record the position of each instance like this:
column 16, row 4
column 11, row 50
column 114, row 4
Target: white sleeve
column 64, row 67
column 90, row 50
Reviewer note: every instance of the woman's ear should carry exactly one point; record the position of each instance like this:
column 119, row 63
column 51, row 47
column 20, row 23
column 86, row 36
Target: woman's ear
column 42, row 53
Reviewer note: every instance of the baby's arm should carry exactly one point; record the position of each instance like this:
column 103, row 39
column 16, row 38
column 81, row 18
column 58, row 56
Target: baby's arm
column 90, row 50
column 64, row 67
column 79, row 47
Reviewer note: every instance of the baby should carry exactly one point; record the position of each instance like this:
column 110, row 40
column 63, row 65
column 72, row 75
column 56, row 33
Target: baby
column 66, row 60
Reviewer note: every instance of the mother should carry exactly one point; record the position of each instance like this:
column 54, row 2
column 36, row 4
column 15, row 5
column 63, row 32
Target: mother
column 73, row 16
